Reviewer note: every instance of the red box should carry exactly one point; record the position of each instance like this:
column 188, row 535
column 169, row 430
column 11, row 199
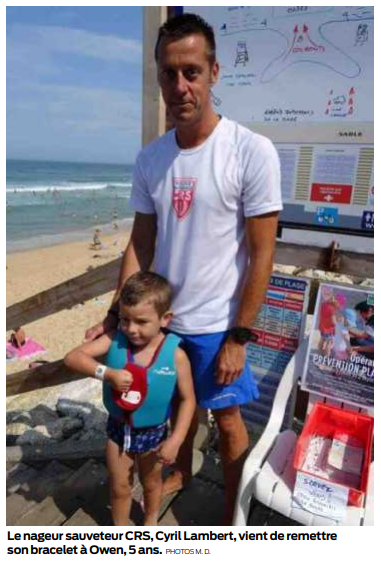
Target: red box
column 331, row 193
column 325, row 421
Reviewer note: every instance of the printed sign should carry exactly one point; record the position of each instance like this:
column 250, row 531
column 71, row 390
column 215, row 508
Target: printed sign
column 331, row 193
column 340, row 358
column 367, row 222
column 326, row 216
column 279, row 329
column 279, row 325
column 320, row 497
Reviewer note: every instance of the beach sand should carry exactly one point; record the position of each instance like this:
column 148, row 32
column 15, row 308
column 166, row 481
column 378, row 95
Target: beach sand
column 31, row 272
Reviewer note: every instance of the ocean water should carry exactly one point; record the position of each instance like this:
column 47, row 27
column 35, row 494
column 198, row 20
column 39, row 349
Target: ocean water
column 52, row 202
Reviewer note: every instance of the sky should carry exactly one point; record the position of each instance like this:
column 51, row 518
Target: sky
column 74, row 83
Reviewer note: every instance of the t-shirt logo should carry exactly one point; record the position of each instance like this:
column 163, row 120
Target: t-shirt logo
column 183, row 195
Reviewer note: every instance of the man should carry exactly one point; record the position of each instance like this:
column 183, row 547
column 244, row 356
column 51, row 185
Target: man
column 360, row 322
column 206, row 197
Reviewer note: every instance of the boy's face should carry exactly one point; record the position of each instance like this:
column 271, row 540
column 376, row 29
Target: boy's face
column 142, row 323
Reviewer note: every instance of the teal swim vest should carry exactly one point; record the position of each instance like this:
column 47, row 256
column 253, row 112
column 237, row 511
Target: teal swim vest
column 161, row 380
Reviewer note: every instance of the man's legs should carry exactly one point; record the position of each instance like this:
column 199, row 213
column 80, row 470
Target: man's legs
column 203, row 351
column 233, row 446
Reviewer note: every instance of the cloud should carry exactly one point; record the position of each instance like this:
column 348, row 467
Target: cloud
column 80, row 108
column 85, row 123
column 24, row 40
column 63, row 102
column 85, row 43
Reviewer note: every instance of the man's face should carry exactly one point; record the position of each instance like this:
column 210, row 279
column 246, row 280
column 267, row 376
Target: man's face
column 185, row 76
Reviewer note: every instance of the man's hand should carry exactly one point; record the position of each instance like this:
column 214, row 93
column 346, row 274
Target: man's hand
column 110, row 322
column 230, row 362
column 167, row 451
column 119, row 379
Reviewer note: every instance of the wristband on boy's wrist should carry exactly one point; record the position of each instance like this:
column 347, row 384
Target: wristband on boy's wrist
column 100, row 372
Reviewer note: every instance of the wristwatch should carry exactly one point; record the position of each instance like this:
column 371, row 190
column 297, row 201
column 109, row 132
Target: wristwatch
column 100, row 371
column 242, row 335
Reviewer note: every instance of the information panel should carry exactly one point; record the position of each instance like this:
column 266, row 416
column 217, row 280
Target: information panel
column 303, row 76
column 279, row 329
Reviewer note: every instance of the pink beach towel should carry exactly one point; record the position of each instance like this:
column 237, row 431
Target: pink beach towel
column 27, row 350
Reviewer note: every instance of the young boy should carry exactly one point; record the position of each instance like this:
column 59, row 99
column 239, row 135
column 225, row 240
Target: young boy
column 144, row 311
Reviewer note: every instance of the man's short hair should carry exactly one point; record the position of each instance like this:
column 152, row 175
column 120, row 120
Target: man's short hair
column 184, row 25
column 147, row 286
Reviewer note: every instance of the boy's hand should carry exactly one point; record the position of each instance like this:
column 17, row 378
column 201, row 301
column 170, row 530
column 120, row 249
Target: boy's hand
column 120, row 379
column 167, row 451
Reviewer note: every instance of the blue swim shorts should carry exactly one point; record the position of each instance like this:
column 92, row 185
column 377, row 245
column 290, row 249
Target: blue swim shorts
column 135, row 440
column 202, row 351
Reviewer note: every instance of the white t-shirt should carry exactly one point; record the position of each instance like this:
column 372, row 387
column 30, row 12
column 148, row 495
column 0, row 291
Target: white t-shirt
column 201, row 197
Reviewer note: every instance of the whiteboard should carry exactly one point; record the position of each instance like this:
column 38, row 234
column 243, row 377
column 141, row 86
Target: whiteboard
column 304, row 77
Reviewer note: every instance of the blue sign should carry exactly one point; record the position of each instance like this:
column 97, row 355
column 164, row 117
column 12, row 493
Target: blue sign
column 367, row 222
column 327, row 216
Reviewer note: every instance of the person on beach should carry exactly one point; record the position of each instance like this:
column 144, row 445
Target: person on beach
column 144, row 313
column 97, row 244
column 206, row 197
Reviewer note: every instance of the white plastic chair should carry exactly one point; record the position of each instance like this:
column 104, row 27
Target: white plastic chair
column 269, row 476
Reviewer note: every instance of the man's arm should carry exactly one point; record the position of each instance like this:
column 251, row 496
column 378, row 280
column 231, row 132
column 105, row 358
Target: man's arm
column 260, row 236
column 138, row 256
column 140, row 250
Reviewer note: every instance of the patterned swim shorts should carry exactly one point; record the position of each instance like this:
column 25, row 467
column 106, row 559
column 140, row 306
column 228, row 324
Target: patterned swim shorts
column 135, row 440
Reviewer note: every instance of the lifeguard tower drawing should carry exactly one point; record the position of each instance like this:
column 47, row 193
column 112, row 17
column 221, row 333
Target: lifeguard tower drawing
column 242, row 56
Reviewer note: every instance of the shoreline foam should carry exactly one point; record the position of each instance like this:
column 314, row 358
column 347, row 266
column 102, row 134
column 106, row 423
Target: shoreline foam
column 50, row 240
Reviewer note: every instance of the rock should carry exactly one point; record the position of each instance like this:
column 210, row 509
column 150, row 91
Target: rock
column 57, row 431
column 19, row 416
column 90, row 435
column 83, row 400
column 368, row 283
column 68, row 407
column 282, row 269
column 64, row 428
column 321, row 275
column 34, row 436
column 16, row 429
column 84, row 392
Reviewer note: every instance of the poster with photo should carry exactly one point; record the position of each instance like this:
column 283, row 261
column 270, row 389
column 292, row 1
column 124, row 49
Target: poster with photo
column 340, row 358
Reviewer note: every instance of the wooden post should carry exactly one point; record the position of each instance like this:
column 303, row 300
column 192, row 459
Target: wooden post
column 153, row 104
